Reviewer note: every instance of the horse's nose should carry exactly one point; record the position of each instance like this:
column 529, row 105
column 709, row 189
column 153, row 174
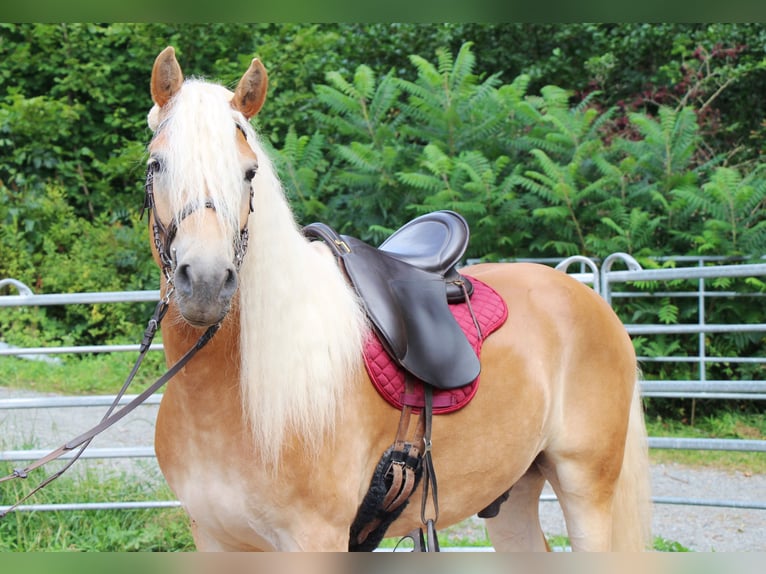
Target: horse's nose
column 204, row 291
column 204, row 283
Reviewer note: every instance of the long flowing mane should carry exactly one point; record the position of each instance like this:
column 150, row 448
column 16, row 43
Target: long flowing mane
column 302, row 329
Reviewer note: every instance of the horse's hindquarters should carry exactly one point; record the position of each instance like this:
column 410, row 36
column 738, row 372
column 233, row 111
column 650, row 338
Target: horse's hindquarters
column 556, row 388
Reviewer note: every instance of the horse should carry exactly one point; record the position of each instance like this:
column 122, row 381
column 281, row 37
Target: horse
column 269, row 436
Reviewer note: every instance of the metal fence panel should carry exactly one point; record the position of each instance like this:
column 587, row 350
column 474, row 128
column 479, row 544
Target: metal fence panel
column 586, row 270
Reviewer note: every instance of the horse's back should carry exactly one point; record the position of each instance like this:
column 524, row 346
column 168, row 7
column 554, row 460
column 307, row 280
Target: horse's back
column 557, row 311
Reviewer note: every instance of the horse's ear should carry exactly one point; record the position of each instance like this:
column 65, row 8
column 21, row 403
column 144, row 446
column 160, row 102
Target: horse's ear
column 251, row 90
column 166, row 77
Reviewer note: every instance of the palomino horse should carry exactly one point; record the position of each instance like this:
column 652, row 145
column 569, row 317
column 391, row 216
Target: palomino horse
column 270, row 435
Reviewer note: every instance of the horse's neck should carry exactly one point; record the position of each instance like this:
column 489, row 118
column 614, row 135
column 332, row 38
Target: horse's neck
column 290, row 286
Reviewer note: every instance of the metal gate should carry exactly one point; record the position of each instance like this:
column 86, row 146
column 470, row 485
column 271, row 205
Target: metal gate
column 616, row 286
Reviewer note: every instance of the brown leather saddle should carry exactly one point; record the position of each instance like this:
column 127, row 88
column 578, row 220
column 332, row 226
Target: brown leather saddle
column 406, row 286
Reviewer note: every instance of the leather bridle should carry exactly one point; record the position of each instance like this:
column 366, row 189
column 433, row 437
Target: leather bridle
column 163, row 235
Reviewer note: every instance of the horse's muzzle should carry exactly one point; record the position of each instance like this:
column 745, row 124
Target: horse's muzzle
column 204, row 292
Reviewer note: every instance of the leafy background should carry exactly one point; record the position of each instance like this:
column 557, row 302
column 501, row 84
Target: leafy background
column 550, row 139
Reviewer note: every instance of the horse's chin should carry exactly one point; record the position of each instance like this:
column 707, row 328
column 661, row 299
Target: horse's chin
column 205, row 317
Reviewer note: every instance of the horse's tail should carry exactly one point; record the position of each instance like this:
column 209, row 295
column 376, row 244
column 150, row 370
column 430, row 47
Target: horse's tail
column 632, row 507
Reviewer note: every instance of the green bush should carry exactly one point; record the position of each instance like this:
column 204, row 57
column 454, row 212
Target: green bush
column 49, row 249
column 585, row 138
column 535, row 175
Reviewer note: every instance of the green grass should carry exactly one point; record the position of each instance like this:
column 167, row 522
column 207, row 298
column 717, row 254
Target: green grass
column 726, row 425
column 75, row 375
column 161, row 530
column 665, row 545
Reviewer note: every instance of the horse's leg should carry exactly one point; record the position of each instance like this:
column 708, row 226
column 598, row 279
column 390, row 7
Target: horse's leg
column 517, row 525
column 602, row 481
column 585, row 489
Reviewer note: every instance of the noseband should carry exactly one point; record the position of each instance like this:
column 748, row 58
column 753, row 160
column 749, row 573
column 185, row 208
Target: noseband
column 163, row 236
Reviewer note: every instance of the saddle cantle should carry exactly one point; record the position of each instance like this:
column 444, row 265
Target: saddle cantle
column 404, row 285
column 434, row 242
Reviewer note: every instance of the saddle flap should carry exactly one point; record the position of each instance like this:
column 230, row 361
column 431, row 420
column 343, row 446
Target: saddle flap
column 437, row 350
column 408, row 307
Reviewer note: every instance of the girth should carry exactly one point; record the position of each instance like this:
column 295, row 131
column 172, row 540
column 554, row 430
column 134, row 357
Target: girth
column 404, row 286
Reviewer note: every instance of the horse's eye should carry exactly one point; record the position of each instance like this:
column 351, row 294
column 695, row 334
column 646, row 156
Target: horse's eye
column 156, row 164
column 250, row 173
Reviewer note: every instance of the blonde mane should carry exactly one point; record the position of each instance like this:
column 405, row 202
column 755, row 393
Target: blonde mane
column 301, row 327
column 199, row 154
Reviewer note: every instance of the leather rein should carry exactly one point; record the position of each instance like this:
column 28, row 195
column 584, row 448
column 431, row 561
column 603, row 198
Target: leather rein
column 163, row 237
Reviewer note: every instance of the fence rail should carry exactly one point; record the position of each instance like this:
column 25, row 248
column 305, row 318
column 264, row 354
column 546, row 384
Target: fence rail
column 603, row 279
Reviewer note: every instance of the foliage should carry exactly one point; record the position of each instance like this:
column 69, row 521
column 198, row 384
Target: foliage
column 49, row 249
column 585, row 138
column 731, row 207
column 560, row 178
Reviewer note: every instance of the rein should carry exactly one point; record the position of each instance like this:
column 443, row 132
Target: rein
column 163, row 237
column 110, row 417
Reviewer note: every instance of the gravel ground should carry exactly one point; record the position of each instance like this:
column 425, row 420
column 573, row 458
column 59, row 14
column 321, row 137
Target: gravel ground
column 698, row 528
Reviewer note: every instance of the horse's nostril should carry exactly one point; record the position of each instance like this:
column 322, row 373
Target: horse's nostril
column 230, row 282
column 183, row 279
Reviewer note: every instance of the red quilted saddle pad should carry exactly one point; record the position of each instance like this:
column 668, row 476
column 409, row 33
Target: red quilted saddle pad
column 388, row 378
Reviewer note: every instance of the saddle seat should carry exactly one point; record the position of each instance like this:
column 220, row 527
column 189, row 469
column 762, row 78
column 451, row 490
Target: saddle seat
column 434, row 242
column 404, row 286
